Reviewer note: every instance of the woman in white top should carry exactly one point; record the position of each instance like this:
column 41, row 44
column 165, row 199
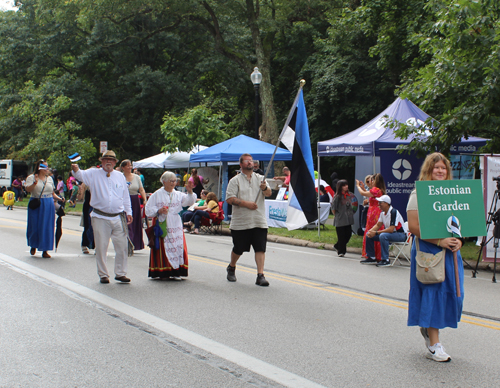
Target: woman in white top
column 434, row 306
column 135, row 189
column 40, row 231
column 170, row 259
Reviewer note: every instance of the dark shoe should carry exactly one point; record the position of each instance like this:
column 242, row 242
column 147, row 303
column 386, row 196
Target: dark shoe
column 368, row 261
column 231, row 273
column 104, row 280
column 32, row 251
column 122, row 279
column 45, row 255
column 261, row 280
column 383, row 263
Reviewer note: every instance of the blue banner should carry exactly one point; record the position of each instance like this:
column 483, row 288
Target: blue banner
column 400, row 171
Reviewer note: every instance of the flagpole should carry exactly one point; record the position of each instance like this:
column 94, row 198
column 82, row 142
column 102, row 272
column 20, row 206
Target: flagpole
column 290, row 114
column 319, row 204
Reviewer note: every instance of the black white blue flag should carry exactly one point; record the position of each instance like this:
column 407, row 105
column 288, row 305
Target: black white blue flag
column 75, row 157
column 302, row 208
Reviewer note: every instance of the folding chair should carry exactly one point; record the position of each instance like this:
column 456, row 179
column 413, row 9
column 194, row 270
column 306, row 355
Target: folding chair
column 400, row 248
column 214, row 223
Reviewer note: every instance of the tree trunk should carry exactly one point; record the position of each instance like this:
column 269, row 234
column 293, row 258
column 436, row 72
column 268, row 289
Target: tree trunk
column 268, row 130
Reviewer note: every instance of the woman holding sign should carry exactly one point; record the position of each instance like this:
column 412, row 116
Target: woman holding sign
column 434, row 306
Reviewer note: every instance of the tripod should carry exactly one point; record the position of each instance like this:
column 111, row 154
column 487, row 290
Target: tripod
column 493, row 216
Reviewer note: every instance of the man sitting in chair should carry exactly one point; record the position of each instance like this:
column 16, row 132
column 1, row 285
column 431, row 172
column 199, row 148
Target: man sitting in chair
column 388, row 229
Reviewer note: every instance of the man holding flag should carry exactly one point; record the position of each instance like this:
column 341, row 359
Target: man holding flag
column 246, row 193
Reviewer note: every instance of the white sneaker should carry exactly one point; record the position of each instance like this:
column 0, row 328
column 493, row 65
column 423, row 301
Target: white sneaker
column 437, row 353
column 425, row 334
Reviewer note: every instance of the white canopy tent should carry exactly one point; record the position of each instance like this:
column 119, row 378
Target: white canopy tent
column 167, row 160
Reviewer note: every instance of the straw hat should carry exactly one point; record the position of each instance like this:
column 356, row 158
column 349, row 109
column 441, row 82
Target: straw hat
column 108, row 155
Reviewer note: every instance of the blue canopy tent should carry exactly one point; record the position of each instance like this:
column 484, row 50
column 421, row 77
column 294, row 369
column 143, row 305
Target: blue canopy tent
column 376, row 142
column 231, row 150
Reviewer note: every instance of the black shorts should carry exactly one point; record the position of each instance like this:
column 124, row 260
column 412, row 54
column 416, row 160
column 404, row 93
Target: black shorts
column 243, row 239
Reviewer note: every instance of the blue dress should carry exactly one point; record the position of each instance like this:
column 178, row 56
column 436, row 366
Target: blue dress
column 40, row 232
column 435, row 305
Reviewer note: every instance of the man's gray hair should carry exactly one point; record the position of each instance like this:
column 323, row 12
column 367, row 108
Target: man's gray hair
column 168, row 176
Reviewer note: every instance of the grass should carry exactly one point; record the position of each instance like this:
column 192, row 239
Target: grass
column 327, row 235
column 24, row 203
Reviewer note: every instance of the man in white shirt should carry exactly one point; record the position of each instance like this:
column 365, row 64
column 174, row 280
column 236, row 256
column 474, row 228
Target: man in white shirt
column 388, row 229
column 111, row 213
column 246, row 192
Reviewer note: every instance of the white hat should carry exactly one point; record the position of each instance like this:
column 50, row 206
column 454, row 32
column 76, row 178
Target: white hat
column 384, row 198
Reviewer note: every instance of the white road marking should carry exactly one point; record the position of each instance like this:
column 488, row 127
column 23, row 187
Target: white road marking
column 244, row 360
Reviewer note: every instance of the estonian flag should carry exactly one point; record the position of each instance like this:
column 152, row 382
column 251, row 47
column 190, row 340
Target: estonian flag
column 75, row 157
column 303, row 206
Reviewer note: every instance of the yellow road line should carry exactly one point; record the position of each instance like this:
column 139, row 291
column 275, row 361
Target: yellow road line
column 65, row 231
column 344, row 292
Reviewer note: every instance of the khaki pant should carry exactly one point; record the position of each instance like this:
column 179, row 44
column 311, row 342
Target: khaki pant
column 103, row 231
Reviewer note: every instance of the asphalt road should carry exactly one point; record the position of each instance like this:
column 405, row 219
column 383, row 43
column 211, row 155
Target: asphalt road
column 324, row 321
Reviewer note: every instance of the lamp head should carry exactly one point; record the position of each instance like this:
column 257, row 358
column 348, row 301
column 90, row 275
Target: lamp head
column 256, row 76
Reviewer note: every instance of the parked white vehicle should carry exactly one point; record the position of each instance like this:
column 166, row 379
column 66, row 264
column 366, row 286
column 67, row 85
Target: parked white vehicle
column 10, row 169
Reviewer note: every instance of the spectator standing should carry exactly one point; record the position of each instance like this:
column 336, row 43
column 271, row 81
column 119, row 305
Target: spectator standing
column 9, row 197
column 377, row 190
column 197, row 181
column 434, row 306
column 323, row 195
column 344, row 216
column 17, row 187
column 256, row 168
column 185, row 178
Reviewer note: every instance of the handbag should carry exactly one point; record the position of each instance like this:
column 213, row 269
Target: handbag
column 430, row 267
column 34, row 203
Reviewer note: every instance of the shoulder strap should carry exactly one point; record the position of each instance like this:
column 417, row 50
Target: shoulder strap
column 43, row 188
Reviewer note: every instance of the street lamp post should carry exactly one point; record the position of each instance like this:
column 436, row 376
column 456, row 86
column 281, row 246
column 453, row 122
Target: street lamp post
column 256, row 78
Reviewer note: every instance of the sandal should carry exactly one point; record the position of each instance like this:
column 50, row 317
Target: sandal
column 32, row 251
column 195, row 232
column 85, row 250
column 45, row 255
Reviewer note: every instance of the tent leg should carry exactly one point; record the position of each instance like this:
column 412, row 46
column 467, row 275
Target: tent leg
column 319, row 205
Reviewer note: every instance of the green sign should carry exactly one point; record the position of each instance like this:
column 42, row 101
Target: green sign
column 450, row 208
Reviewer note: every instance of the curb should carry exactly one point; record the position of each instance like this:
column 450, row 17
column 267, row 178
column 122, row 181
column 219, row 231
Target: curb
column 303, row 243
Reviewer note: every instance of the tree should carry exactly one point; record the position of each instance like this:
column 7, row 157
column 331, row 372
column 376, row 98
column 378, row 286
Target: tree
column 52, row 138
column 197, row 126
column 459, row 86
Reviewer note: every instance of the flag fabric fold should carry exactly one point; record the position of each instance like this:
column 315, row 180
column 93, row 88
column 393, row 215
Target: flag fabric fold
column 302, row 208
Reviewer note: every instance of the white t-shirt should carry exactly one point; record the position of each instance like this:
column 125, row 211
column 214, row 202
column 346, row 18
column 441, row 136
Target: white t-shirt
column 392, row 218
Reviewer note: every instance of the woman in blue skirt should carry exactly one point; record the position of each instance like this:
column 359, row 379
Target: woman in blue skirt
column 40, row 232
column 434, row 306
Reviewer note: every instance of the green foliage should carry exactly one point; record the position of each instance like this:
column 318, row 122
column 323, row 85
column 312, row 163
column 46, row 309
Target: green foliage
column 140, row 74
column 51, row 137
column 459, row 86
column 197, row 126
